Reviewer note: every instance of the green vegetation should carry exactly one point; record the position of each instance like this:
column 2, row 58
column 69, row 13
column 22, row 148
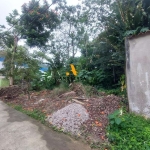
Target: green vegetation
column 60, row 36
column 36, row 114
column 100, row 146
column 97, row 30
column 128, row 131
column 57, row 91
column 4, row 83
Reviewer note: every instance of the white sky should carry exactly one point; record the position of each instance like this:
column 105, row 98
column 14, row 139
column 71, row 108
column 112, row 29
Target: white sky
column 6, row 7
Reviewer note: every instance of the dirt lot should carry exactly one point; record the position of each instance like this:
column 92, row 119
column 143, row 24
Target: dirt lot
column 98, row 107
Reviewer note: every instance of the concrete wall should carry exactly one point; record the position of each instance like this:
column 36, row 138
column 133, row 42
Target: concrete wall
column 138, row 73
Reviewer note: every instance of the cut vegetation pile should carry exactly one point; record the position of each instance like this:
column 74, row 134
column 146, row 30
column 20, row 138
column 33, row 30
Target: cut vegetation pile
column 99, row 109
column 10, row 92
column 71, row 110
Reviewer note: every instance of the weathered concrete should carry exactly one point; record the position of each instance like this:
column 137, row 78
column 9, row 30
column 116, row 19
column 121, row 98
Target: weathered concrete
column 138, row 73
column 20, row 132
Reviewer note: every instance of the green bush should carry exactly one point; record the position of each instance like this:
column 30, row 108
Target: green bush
column 43, row 81
column 94, row 78
column 128, row 132
column 37, row 83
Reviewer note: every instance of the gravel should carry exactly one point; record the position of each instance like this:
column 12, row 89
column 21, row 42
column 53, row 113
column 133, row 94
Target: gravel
column 69, row 118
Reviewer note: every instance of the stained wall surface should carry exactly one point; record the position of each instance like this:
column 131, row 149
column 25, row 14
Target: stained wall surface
column 138, row 73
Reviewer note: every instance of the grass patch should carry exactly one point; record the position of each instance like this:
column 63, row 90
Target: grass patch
column 116, row 91
column 4, row 83
column 57, row 91
column 36, row 114
column 128, row 132
column 100, row 146
column 90, row 91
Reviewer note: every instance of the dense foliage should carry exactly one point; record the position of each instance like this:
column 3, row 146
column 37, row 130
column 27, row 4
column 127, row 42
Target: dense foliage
column 96, row 28
column 38, row 23
column 128, row 131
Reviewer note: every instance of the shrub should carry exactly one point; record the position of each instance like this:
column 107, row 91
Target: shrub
column 43, row 81
column 128, row 132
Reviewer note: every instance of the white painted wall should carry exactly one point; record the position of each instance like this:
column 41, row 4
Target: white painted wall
column 138, row 74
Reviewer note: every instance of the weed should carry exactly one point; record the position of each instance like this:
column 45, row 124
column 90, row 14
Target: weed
column 116, row 118
column 36, row 114
column 128, row 132
column 61, row 89
column 101, row 146
column 91, row 91
column 116, row 91
column 61, row 130
column 57, row 129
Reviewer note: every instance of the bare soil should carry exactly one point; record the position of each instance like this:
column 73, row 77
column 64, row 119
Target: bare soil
column 98, row 107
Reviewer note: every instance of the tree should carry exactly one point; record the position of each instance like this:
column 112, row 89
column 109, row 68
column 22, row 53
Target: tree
column 25, row 66
column 38, row 24
column 71, row 34
column 34, row 24
column 11, row 39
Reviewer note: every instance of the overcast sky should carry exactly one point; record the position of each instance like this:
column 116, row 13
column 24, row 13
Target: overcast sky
column 6, row 7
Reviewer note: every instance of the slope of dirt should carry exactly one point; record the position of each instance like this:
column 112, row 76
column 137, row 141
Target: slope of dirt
column 98, row 108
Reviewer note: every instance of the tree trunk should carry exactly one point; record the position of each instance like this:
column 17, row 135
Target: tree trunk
column 28, row 92
column 11, row 78
column 73, row 50
column 114, row 74
column 11, row 81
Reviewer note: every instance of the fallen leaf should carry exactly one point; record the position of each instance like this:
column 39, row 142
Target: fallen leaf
column 100, row 124
column 96, row 122
column 79, row 115
column 102, row 137
column 102, row 113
